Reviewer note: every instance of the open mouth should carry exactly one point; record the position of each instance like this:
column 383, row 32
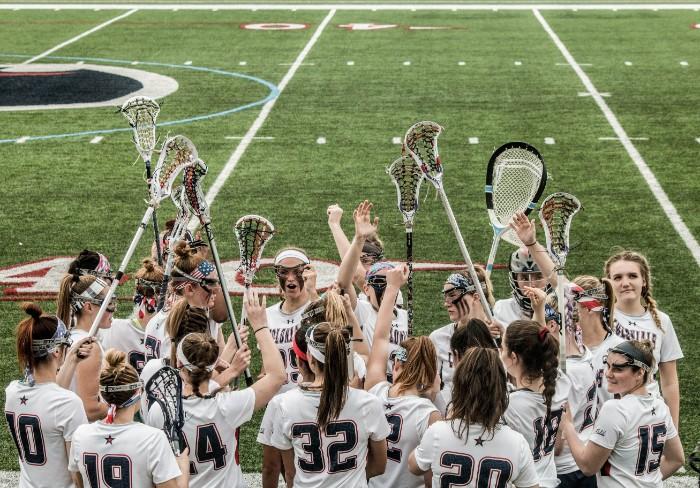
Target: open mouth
column 291, row 286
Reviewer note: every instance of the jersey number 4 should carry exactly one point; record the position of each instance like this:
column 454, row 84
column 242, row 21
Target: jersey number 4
column 26, row 432
column 651, row 446
column 316, row 460
column 489, row 469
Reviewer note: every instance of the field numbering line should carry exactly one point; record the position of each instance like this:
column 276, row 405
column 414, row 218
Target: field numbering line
column 661, row 196
column 230, row 165
column 79, row 36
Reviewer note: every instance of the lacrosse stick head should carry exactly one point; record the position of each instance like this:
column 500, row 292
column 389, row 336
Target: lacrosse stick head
column 141, row 112
column 420, row 142
column 165, row 387
column 177, row 154
column 515, row 179
column 192, row 181
column 556, row 213
column 252, row 232
column 407, row 176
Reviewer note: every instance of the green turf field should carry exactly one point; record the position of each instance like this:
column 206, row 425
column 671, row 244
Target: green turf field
column 492, row 75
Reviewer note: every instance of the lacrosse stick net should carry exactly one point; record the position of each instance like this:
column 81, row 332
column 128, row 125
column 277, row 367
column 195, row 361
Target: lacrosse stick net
column 515, row 180
column 141, row 113
column 253, row 233
column 165, row 388
column 556, row 214
column 420, row 142
column 192, row 182
column 177, row 233
column 177, row 154
column 407, row 177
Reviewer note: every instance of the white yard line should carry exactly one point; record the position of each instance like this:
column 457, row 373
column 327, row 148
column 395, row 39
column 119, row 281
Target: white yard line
column 230, row 165
column 349, row 6
column 79, row 36
column 668, row 207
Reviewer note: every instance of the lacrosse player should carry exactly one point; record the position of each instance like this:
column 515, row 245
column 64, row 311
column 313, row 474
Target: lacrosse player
column 297, row 281
column 637, row 317
column 79, row 299
column 41, row 416
column 195, row 280
column 634, row 442
column 472, row 447
column 530, row 354
column 374, row 286
column 211, row 417
column 330, row 434
column 463, row 304
column 408, row 403
column 118, row 451
column 522, row 272
column 127, row 334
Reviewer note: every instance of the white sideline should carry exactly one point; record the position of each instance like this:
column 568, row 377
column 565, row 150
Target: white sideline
column 230, row 165
column 668, row 207
column 79, row 36
column 348, row 6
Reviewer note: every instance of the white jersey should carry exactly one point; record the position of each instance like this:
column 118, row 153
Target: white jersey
column 267, row 424
column 126, row 335
column 128, row 455
column 527, row 414
column 283, row 326
column 41, row 419
column 599, row 353
column 158, row 344
column 441, row 339
column 643, row 327
column 337, row 457
column 582, row 403
column 408, row 417
column 477, row 461
column 635, row 428
column 210, row 432
column 367, row 317
column 508, row 310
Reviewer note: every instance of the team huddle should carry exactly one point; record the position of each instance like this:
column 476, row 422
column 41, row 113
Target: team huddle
column 350, row 398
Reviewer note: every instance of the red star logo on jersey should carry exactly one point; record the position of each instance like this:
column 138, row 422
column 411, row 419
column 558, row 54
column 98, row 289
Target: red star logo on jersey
column 109, row 439
column 479, row 441
column 23, row 400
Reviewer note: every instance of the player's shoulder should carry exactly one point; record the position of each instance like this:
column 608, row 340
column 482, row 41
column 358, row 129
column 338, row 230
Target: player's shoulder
column 380, row 390
column 156, row 322
column 361, row 397
column 441, row 333
column 274, row 307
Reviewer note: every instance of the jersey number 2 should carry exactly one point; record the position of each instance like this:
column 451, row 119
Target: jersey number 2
column 488, row 467
column 315, row 462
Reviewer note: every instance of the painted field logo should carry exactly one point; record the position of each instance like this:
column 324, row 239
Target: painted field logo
column 40, row 280
column 53, row 86
column 274, row 26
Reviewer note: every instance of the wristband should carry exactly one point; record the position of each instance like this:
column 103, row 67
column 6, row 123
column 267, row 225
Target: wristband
column 531, row 244
column 255, row 331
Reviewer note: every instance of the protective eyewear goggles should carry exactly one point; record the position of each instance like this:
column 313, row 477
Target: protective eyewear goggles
column 630, row 353
column 148, row 288
column 284, row 271
column 111, row 307
column 453, row 295
column 368, row 259
column 43, row 347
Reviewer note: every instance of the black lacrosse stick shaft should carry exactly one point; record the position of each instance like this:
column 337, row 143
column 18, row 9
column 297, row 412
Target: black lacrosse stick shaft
column 156, row 232
column 163, row 291
column 224, row 290
column 409, row 261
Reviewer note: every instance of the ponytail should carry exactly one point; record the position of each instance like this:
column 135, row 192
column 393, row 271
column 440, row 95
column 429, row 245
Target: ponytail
column 182, row 320
column 420, row 367
column 200, row 352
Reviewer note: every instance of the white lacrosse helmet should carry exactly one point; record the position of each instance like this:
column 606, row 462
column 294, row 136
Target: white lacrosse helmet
column 522, row 263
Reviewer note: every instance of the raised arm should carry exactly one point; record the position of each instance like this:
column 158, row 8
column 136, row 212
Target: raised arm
column 275, row 376
column 525, row 228
column 363, row 228
column 78, row 352
column 335, row 214
column 376, row 368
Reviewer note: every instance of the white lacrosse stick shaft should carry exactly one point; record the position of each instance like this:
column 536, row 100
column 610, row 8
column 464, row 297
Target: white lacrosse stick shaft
column 122, row 268
column 561, row 305
column 497, row 233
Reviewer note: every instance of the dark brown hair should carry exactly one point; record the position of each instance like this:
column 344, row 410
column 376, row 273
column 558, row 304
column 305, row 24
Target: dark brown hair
column 201, row 351
column 335, row 371
column 474, row 334
column 117, row 372
column 480, row 395
column 35, row 327
column 538, row 351
column 184, row 319
column 420, row 367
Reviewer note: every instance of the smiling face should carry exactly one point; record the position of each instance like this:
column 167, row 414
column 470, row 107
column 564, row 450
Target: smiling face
column 622, row 378
column 627, row 280
column 203, row 295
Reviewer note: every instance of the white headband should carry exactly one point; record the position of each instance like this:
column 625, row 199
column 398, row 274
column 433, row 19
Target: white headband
column 292, row 253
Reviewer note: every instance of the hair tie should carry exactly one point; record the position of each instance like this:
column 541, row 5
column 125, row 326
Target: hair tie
column 542, row 334
column 110, row 413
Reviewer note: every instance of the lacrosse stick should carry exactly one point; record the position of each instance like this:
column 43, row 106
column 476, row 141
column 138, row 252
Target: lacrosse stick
column 515, row 179
column 556, row 213
column 141, row 112
column 177, row 233
column 421, row 143
column 178, row 153
column 407, row 176
column 200, row 208
column 253, row 233
column 165, row 387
